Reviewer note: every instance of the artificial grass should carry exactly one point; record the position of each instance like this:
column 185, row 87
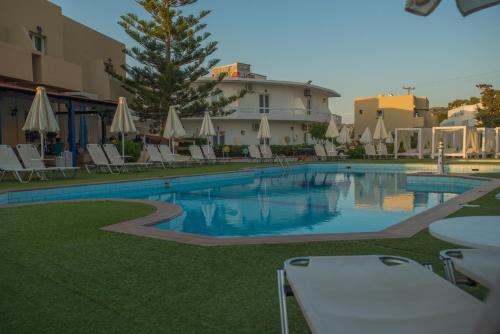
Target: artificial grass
column 61, row 273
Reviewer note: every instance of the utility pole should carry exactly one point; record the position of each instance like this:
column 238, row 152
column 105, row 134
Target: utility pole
column 409, row 89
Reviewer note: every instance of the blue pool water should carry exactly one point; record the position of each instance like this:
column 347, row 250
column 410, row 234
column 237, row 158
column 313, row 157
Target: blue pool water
column 303, row 203
column 311, row 199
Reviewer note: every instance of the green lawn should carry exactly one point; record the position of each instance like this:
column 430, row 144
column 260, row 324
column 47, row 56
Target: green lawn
column 60, row 273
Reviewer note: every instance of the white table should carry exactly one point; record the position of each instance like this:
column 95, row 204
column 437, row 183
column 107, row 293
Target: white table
column 475, row 231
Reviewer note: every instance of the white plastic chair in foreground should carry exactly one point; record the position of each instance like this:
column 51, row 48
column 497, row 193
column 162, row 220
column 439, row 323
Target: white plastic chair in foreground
column 480, row 265
column 10, row 164
column 376, row 294
column 32, row 159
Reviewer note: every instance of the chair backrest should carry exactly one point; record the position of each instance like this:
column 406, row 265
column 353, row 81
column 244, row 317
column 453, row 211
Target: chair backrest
column 330, row 149
column 208, row 151
column 319, row 150
column 8, row 159
column 382, row 149
column 97, row 154
column 196, row 153
column 254, row 152
column 113, row 155
column 370, row 150
column 166, row 153
column 30, row 156
column 266, row 152
column 153, row 153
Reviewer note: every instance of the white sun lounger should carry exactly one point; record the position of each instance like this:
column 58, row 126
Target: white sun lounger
column 99, row 159
column 208, row 152
column 172, row 158
column 116, row 159
column 265, row 151
column 382, row 151
column 320, row 151
column 9, row 163
column 370, row 151
column 375, row 294
column 154, row 155
column 254, row 152
column 197, row 154
column 331, row 151
column 480, row 265
column 32, row 159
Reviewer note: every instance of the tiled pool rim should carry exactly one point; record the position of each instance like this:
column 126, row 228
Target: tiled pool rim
column 404, row 229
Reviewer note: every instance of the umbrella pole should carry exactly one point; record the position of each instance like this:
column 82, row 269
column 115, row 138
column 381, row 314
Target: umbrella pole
column 123, row 145
column 42, row 149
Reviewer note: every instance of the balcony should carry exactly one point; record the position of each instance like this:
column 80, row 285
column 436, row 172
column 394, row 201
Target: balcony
column 275, row 114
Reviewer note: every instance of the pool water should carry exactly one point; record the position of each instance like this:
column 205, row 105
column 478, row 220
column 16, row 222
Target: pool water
column 302, row 203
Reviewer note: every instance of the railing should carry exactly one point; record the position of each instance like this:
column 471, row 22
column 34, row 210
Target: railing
column 292, row 114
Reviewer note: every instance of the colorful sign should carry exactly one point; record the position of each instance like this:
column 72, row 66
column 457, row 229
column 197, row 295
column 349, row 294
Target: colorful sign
column 229, row 71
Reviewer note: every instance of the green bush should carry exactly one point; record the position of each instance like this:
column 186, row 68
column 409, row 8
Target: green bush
column 357, row 152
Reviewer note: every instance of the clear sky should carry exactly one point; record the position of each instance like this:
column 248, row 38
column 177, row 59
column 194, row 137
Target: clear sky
column 356, row 47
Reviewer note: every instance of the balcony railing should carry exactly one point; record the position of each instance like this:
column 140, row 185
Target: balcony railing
column 274, row 114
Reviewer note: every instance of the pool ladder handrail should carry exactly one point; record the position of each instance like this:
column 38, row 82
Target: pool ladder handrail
column 281, row 159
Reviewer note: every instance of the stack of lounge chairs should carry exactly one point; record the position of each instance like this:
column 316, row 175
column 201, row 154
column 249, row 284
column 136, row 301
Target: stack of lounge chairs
column 32, row 163
column 205, row 154
column 162, row 155
column 107, row 158
column 328, row 151
column 260, row 154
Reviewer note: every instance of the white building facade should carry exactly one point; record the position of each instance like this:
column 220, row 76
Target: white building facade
column 289, row 106
column 463, row 115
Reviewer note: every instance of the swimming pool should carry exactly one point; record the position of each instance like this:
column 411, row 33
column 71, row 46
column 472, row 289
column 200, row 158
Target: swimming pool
column 309, row 199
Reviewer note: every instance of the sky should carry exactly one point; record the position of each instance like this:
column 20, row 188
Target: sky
column 358, row 48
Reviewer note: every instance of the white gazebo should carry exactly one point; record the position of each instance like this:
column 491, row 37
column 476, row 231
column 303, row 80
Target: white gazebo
column 404, row 136
column 459, row 141
column 487, row 144
column 497, row 142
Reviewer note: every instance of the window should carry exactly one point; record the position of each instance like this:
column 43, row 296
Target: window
column 39, row 42
column 264, row 103
column 360, row 111
column 380, row 113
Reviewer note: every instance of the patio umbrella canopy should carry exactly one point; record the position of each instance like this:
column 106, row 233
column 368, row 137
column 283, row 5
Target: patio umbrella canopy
column 122, row 121
column 41, row 118
column 344, row 137
column 366, row 137
column 264, row 130
column 173, row 127
column 380, row 132
column 207, row 128
column 466, row 7
column 332, row 131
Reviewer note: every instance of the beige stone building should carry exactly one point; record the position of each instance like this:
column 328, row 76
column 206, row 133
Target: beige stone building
column 40, row 46
column 403, row 111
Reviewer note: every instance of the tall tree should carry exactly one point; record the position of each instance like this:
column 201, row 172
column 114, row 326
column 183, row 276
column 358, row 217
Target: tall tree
column 318, row 130
column 171, row 56
column 460, row 102
column 489, row 114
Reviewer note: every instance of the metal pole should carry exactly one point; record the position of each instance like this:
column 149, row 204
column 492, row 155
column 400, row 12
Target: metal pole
column 42, row 149
column 282, row 300
column 123, row 145
column 440, row 161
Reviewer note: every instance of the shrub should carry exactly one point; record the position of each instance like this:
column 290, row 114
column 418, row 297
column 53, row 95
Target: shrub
column 132, row 149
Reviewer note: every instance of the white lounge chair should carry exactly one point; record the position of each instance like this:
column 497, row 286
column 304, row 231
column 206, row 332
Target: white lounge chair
column 254, row 152
column 375, row 294
column 331, row 151
column 9, row 163
column 154, row 155
column 172, row 158
column 480, row 265
column 382, row 151
column 208, row 152
column 32, row 159
column 197, row 154
column 370, row 151
column 265, row 151
column 116, row 159
column 99, row 160
column 320, row 151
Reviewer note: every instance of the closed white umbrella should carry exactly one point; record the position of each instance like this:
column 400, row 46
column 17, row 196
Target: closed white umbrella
column 122, row 121
column 380, row 132
column 332, row 131
column 264, row 130
column 344, row 137
column 207, row 128
column 366, row 137
column 173, row 127
column 41, row 118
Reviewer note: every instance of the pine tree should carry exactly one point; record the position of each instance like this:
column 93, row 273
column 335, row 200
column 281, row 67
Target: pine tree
column 171, row 55
column 489, row 114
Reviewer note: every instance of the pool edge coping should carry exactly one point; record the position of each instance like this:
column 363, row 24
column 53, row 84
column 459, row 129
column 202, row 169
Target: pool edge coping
column 142, row 226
